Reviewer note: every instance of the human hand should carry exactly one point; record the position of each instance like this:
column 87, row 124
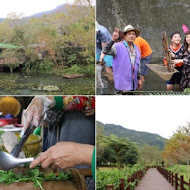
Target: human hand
column 176, row 61
column 140, row 85
column 33, row 112
column 89, row 112
column 36, row 109
column 142, row 79
column 65, row 155
column 115, row 35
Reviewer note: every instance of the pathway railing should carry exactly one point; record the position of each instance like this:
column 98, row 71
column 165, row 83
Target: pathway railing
column 131, row 182
column 173, row 178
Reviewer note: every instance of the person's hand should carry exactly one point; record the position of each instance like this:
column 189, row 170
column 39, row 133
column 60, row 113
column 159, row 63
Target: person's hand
column 115, row 35
column 142, row 79
column 140, row 85
column 89, row 112
column 65, row 155
column 36, row 109
column 176, row 61
column 34, row 112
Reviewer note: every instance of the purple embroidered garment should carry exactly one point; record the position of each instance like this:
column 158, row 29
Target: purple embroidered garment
column 123, row 70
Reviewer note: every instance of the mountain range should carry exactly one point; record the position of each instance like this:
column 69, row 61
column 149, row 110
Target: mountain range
column 59, row 8
column 138, row 137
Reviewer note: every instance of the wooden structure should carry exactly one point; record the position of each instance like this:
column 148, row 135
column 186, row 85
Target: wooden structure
column 164, row 72
column 173, row 178
column 134, row 178
column 167, row 52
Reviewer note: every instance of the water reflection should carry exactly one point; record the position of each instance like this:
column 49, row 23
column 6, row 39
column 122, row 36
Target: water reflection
column 22, row 84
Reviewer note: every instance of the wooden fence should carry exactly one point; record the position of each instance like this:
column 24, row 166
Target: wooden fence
column 134, row 178
column 173, row 178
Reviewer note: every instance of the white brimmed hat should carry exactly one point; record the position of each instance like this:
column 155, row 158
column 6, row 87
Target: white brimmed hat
column 97, row 26
column 131, row 28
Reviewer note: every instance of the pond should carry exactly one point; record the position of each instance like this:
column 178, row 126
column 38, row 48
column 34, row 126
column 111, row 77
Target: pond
column 23, row 84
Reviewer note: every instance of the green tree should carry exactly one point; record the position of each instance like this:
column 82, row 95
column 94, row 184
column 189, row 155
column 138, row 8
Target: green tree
column 112, row 150
column 149, row 154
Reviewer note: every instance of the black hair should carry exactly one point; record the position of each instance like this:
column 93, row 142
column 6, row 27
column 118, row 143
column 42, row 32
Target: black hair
column 173, row 33
column 121, row 35
column 185, row 42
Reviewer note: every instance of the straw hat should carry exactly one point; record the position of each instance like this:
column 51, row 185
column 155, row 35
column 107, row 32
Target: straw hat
column 129, row 28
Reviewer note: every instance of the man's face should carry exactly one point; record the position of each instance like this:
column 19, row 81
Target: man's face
column 130, row 36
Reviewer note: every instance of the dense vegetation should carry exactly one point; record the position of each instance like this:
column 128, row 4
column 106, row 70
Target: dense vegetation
column 177, row 149
column 114, row 150
column 113, row 176
column 33, row 175
column 61, row 42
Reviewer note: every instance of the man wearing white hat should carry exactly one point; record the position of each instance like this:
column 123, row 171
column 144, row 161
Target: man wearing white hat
column 102, row 38
column 126, row 60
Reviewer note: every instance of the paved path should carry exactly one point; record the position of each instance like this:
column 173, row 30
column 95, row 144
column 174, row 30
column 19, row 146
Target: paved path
column 153, row 180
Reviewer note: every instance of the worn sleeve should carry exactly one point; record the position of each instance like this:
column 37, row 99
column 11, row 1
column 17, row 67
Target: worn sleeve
column 74, row 103
column 105, row 37
column 110, row 49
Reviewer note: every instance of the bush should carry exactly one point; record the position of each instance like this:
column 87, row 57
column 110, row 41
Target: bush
column 44, row 66
column 89, row 70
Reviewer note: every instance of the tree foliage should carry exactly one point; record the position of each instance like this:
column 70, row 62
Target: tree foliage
column 64, row 38
column 114, row 150
column 177, row 148
column 149, row 155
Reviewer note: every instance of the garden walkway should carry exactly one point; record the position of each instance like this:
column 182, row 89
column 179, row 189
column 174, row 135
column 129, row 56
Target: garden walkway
column 153, row 180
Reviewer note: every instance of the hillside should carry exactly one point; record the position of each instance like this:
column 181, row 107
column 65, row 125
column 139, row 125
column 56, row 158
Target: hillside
column 60, row 8
column 140, row 138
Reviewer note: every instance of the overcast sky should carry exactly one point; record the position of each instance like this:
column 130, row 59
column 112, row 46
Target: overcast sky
column 155, row 114
column 28, row 7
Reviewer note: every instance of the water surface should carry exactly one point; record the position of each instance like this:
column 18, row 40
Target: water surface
column 23, row 84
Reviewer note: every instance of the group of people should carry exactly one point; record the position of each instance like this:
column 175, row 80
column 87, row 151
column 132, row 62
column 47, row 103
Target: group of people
column 181, row 59
column 122, row 54
column 126, row 54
